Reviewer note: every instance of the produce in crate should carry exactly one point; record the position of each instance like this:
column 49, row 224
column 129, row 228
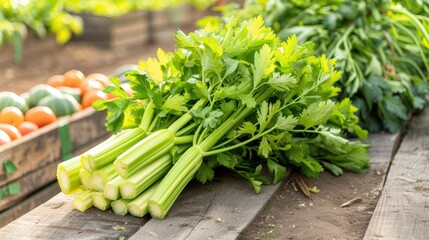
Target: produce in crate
column 382, row 46
column 231, row 96
column 62, row 95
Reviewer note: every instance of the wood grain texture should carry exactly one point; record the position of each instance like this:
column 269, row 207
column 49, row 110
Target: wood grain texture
column 30, row 183
column 56, row 219
column 403, row 208
column 217, row 210
column 29, row 203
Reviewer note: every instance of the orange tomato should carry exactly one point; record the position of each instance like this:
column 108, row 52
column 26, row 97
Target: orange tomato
column 99, row 77
column 90, row 84
column 4, row 138
column 10, row 130
column 11, row 115
column 40, row 115
column 73, row 78
column 56, row 81
column 27, row 127
column 92, row 96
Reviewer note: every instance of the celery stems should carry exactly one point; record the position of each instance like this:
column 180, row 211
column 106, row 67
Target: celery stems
column 68, row 176
column 100, row 201
column 140, row 181
column 110, row 149
column 172, row 185
column 138, row 207
column 83, row 201
column 144, row 152
column 120, row 206
column 111, row 188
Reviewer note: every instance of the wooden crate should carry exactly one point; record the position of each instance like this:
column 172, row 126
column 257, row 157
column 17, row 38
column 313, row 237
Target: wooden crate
column 129, row 30
column 37, row 155
column 138, row 28
column 165, row 23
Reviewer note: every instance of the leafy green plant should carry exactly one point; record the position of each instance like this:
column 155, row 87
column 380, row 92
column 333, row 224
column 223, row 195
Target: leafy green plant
column 41, row 17
column 380, row 45
column 231, row 96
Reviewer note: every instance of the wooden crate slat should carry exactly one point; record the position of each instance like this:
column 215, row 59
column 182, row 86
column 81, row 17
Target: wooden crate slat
column 402, row 211
column 30, row 183
column 44, row 146
column 32, row 152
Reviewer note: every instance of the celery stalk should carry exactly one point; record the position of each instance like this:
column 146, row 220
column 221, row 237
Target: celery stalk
column 83, row 201
column 138, row 207
column 68, row 176
column 110, row 149
column 170, row 188
column 100, row 201
column 140, row 181
column 120, row 206
column 101, row 176
column 85, row 177
column 111, row 188
column 144, row 152
column 185, row 168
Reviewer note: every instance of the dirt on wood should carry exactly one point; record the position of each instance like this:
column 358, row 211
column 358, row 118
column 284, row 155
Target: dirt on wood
column 289, row 215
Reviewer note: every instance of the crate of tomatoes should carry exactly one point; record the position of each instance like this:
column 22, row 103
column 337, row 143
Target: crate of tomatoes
column 46, row 125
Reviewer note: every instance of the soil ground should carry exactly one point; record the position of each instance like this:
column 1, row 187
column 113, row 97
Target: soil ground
column 289, row 214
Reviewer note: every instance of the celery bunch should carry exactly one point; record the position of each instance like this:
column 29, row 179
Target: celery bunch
column 231, row 96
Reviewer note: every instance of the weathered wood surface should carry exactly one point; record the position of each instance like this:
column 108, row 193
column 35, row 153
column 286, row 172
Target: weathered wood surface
column 36, row 156
column 29, row 203
column 402, row 211
column 56, row 219
column 218, row 210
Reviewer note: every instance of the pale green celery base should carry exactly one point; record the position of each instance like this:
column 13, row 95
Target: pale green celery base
column 83, row 201
column 99, row 201
column 111, row 188
column 120, row 206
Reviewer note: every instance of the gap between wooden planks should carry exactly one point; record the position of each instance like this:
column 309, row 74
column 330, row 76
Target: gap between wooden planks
column 402, row 211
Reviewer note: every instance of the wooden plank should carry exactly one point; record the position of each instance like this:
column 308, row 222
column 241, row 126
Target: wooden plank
column 57, row 218
column 30, row 183
column 29, row 203
column 217, row 210
column 403, row 208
